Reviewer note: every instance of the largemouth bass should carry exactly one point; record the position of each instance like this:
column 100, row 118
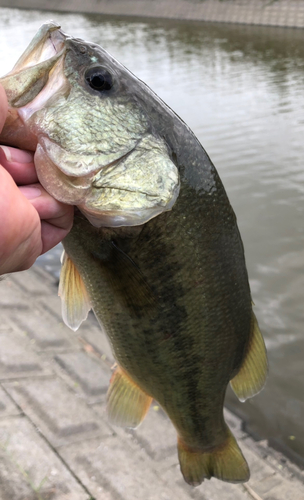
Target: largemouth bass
column 155, row 249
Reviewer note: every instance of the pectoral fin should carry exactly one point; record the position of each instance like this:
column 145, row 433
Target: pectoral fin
column 127, row 404
column 226, row 462
column 75, row 302
column 252, row 375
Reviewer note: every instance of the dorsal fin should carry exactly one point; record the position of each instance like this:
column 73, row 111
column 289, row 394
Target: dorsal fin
column 75, row 302
column 252, row 375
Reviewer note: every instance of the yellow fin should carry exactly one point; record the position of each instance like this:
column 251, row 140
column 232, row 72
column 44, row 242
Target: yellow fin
column 226, row 462
column 127, row 404
column 75, row 303
column 252, row 375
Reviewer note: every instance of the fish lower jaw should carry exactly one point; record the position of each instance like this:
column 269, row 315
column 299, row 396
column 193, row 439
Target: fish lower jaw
column 117, row 218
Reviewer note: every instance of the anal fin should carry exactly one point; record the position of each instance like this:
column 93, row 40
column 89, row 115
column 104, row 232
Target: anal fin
column 127, row 403
column 75, row 302
column 226, row 462
column 252, row 375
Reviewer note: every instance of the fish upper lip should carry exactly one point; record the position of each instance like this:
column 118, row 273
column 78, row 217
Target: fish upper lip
column 48, row 42
column 55, row 41
column 58, row 39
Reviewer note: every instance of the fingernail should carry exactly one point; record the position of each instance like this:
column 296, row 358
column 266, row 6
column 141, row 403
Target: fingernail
column 18, row 155
column 30, row 192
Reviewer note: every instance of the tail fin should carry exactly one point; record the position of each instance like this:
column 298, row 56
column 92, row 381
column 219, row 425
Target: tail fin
column 226, row 462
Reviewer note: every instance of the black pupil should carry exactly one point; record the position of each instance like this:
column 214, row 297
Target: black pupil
column 99, row 79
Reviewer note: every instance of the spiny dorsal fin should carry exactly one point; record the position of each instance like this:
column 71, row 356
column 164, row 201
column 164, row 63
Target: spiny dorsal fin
column 127, row 404
column 226, row 462
column 252, row 375
column 75, row 302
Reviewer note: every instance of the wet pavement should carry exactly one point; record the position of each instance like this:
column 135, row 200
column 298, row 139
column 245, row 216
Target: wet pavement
column 55, row 440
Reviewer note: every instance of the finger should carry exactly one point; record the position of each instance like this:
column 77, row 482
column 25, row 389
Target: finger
column 19, row 163
column 54, row 212
column 3, row 107
column 51, row 235
column 20, row 233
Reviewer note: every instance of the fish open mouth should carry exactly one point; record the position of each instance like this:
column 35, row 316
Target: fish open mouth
column 38, row 72
column 48, row 42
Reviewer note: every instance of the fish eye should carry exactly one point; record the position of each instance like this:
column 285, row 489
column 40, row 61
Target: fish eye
column 99, row 78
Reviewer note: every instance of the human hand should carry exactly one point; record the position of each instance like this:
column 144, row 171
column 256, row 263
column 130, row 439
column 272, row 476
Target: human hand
column 32, row 222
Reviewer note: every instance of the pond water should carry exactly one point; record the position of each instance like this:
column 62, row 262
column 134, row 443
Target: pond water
column 240, row 88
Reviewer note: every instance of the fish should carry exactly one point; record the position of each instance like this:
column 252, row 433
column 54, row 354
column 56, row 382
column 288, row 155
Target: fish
column 154, row 250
